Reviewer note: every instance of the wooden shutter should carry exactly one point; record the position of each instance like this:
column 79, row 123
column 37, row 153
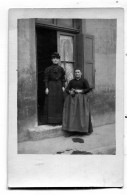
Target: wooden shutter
column 89, row 69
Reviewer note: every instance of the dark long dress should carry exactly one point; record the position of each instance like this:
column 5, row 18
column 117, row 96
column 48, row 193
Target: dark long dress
column 54, row 81
column 76, row 111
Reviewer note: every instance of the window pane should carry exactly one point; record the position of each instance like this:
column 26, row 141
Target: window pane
column 69, row 70
column 62, row 65
column 66, row 48
column 65, row 22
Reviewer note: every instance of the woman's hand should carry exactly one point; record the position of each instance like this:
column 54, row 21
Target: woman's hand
column 72, row 91
column 78, row 90
column 46, row 91
column 63, row 88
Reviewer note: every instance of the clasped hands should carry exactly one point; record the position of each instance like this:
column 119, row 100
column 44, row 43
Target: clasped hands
column 47, row 90
column 73, row 91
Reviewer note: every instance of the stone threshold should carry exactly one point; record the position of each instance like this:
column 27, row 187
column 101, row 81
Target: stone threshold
column 44, row 132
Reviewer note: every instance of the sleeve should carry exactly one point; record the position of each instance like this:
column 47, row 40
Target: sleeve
column 63, row 78
column 69, row 87
column 46, row 77
column 86, row 86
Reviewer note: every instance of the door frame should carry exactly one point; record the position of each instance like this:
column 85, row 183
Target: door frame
column 60, row 30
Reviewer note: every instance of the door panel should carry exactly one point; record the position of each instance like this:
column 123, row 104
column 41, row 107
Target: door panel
column 89, row 69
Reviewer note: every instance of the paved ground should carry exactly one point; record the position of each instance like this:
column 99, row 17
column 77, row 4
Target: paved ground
column 101, row 141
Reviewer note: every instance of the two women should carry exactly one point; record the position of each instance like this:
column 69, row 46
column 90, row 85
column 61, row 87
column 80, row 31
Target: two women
column 74, row 113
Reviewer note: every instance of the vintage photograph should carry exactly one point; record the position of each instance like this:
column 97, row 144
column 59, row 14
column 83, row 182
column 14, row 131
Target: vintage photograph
column 65, row 101
column 66, row 86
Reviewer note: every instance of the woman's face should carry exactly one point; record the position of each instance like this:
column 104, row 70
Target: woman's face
column 78, row 74
column 55, row 60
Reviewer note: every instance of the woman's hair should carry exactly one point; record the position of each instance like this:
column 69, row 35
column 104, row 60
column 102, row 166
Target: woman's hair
column 77, row 69
column 55, row 55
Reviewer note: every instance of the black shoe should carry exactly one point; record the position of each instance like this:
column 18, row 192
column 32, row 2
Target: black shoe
column 67, row 134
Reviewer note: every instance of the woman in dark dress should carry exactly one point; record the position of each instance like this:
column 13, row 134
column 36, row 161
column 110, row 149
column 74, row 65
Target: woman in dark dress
column 76, row 112
column 54, row 90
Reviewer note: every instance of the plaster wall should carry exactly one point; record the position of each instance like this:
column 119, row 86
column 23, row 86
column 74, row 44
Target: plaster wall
column 103, row 97
column 27, row 88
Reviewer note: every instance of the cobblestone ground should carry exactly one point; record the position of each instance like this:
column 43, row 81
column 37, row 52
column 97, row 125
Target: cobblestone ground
column 101, row 141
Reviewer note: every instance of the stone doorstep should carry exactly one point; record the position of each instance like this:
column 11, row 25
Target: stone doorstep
column 44, row 132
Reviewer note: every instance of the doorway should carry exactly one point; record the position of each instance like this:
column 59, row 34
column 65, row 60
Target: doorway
column 46, row 44
column 48, row 41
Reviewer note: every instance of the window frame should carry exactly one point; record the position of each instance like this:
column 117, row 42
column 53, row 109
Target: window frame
column 74, row 45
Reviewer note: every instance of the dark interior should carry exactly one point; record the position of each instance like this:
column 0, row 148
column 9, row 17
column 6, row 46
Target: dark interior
column 46, row 45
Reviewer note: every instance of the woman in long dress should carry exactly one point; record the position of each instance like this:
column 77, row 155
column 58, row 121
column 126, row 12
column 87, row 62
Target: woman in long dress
column 76, row 112
column 54, row 90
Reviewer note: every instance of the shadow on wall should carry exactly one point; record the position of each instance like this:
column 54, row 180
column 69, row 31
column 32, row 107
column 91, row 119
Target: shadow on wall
column 103, row 107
